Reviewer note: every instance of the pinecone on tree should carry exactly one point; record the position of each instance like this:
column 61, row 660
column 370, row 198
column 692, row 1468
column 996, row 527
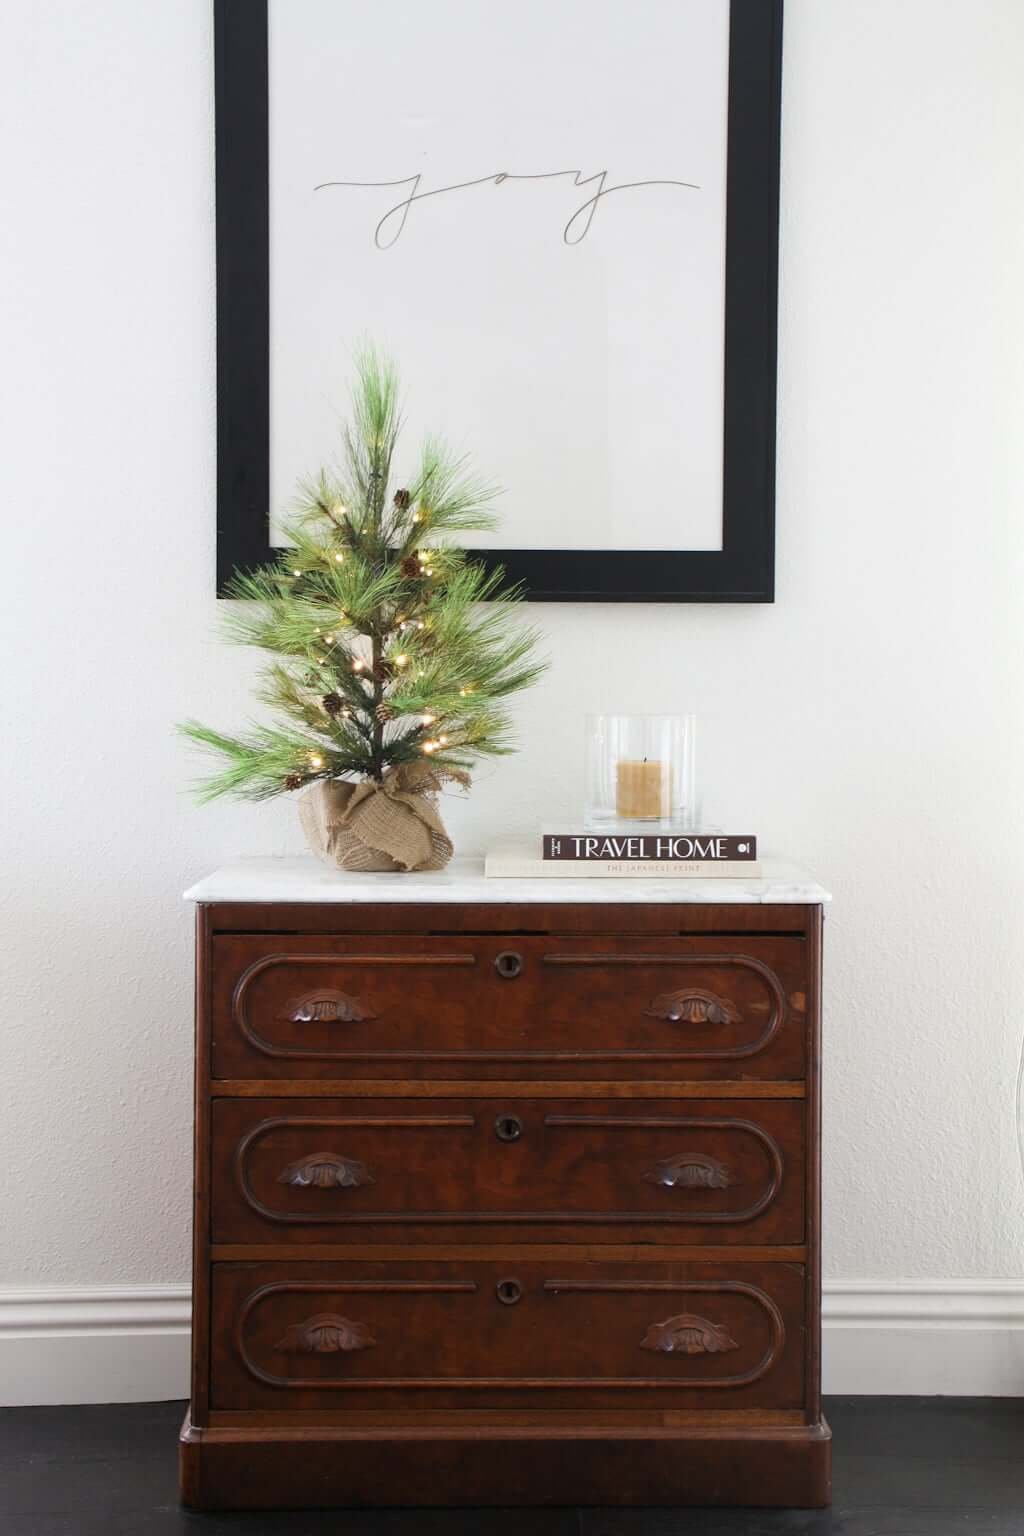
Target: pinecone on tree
column 333, row 703
column 410, row 566
column 402, row 500
column 384, row 713
column 293, row 781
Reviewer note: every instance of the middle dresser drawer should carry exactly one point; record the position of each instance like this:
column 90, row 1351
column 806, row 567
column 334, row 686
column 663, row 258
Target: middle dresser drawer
column 707, row 1171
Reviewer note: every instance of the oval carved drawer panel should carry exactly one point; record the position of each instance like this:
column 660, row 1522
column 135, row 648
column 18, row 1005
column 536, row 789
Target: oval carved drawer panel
column 481, row 1170
column 379, row 1335
column 305, row 1006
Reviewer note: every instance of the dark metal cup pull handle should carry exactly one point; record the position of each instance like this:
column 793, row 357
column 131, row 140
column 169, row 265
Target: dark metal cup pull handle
column 508, row 964
column 508, row 1127
column 508, row 1292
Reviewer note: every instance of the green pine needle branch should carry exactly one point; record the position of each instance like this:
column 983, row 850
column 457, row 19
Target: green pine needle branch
column 381, row 653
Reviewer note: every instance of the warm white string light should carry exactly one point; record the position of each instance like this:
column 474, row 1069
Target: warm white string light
column 401, row 660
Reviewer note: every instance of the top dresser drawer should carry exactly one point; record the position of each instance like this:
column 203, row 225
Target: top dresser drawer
column 508, row 1007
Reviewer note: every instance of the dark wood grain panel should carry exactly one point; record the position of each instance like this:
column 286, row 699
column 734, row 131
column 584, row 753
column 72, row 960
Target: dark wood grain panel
column 439, row 1088
column 412, row 1418
column 343, row 1170
column 602, row 1253
column 201, row 1216
column 552, row 917
column 424, row 1006
column 440, row 1334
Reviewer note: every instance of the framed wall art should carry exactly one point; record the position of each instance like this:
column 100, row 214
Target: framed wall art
column 562, row 221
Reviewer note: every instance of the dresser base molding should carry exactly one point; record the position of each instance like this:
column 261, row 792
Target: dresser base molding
column 528, row 1461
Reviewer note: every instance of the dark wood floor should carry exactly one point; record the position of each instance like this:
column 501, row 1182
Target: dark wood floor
column 903, row 1467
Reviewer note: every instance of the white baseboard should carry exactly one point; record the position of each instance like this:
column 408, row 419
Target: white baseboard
column 95, row 1344
column 129, row 1344
column 953, row 1338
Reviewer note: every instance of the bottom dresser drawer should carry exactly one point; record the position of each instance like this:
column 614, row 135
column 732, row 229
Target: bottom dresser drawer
column 506, row 1334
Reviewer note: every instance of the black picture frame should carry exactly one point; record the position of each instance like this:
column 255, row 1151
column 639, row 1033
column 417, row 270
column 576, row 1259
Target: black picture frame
column 742, row 571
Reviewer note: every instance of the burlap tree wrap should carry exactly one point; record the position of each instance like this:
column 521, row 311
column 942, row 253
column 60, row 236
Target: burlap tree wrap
column 388, row 826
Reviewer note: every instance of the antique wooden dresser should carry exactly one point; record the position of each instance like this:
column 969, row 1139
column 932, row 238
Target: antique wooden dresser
column 506, row 1191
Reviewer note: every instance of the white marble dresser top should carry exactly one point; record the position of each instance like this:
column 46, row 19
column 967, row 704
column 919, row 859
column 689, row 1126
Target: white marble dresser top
column 304, row 878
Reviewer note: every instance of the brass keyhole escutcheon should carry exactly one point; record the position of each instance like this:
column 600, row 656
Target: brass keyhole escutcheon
column 508, row 1127
column 508, row 1292
column 508, row 964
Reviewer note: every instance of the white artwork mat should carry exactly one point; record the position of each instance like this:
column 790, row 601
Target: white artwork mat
column 570, row 336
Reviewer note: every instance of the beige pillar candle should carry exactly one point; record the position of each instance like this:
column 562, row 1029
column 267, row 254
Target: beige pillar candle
column 641, row 789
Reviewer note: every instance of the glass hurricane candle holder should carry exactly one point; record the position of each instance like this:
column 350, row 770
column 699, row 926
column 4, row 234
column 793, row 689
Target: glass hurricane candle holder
column 640, row 772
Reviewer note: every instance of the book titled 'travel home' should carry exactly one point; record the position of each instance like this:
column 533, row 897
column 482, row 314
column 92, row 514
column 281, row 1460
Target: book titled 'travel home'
column 689, row 848
column 615, row 855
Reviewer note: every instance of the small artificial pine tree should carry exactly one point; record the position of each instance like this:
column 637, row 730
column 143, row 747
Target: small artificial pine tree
column 381, row 655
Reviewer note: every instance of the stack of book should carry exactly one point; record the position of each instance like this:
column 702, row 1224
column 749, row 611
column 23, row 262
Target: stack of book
column 619, row 853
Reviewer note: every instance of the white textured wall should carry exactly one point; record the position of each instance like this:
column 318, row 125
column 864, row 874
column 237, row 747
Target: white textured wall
column 869, row 724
